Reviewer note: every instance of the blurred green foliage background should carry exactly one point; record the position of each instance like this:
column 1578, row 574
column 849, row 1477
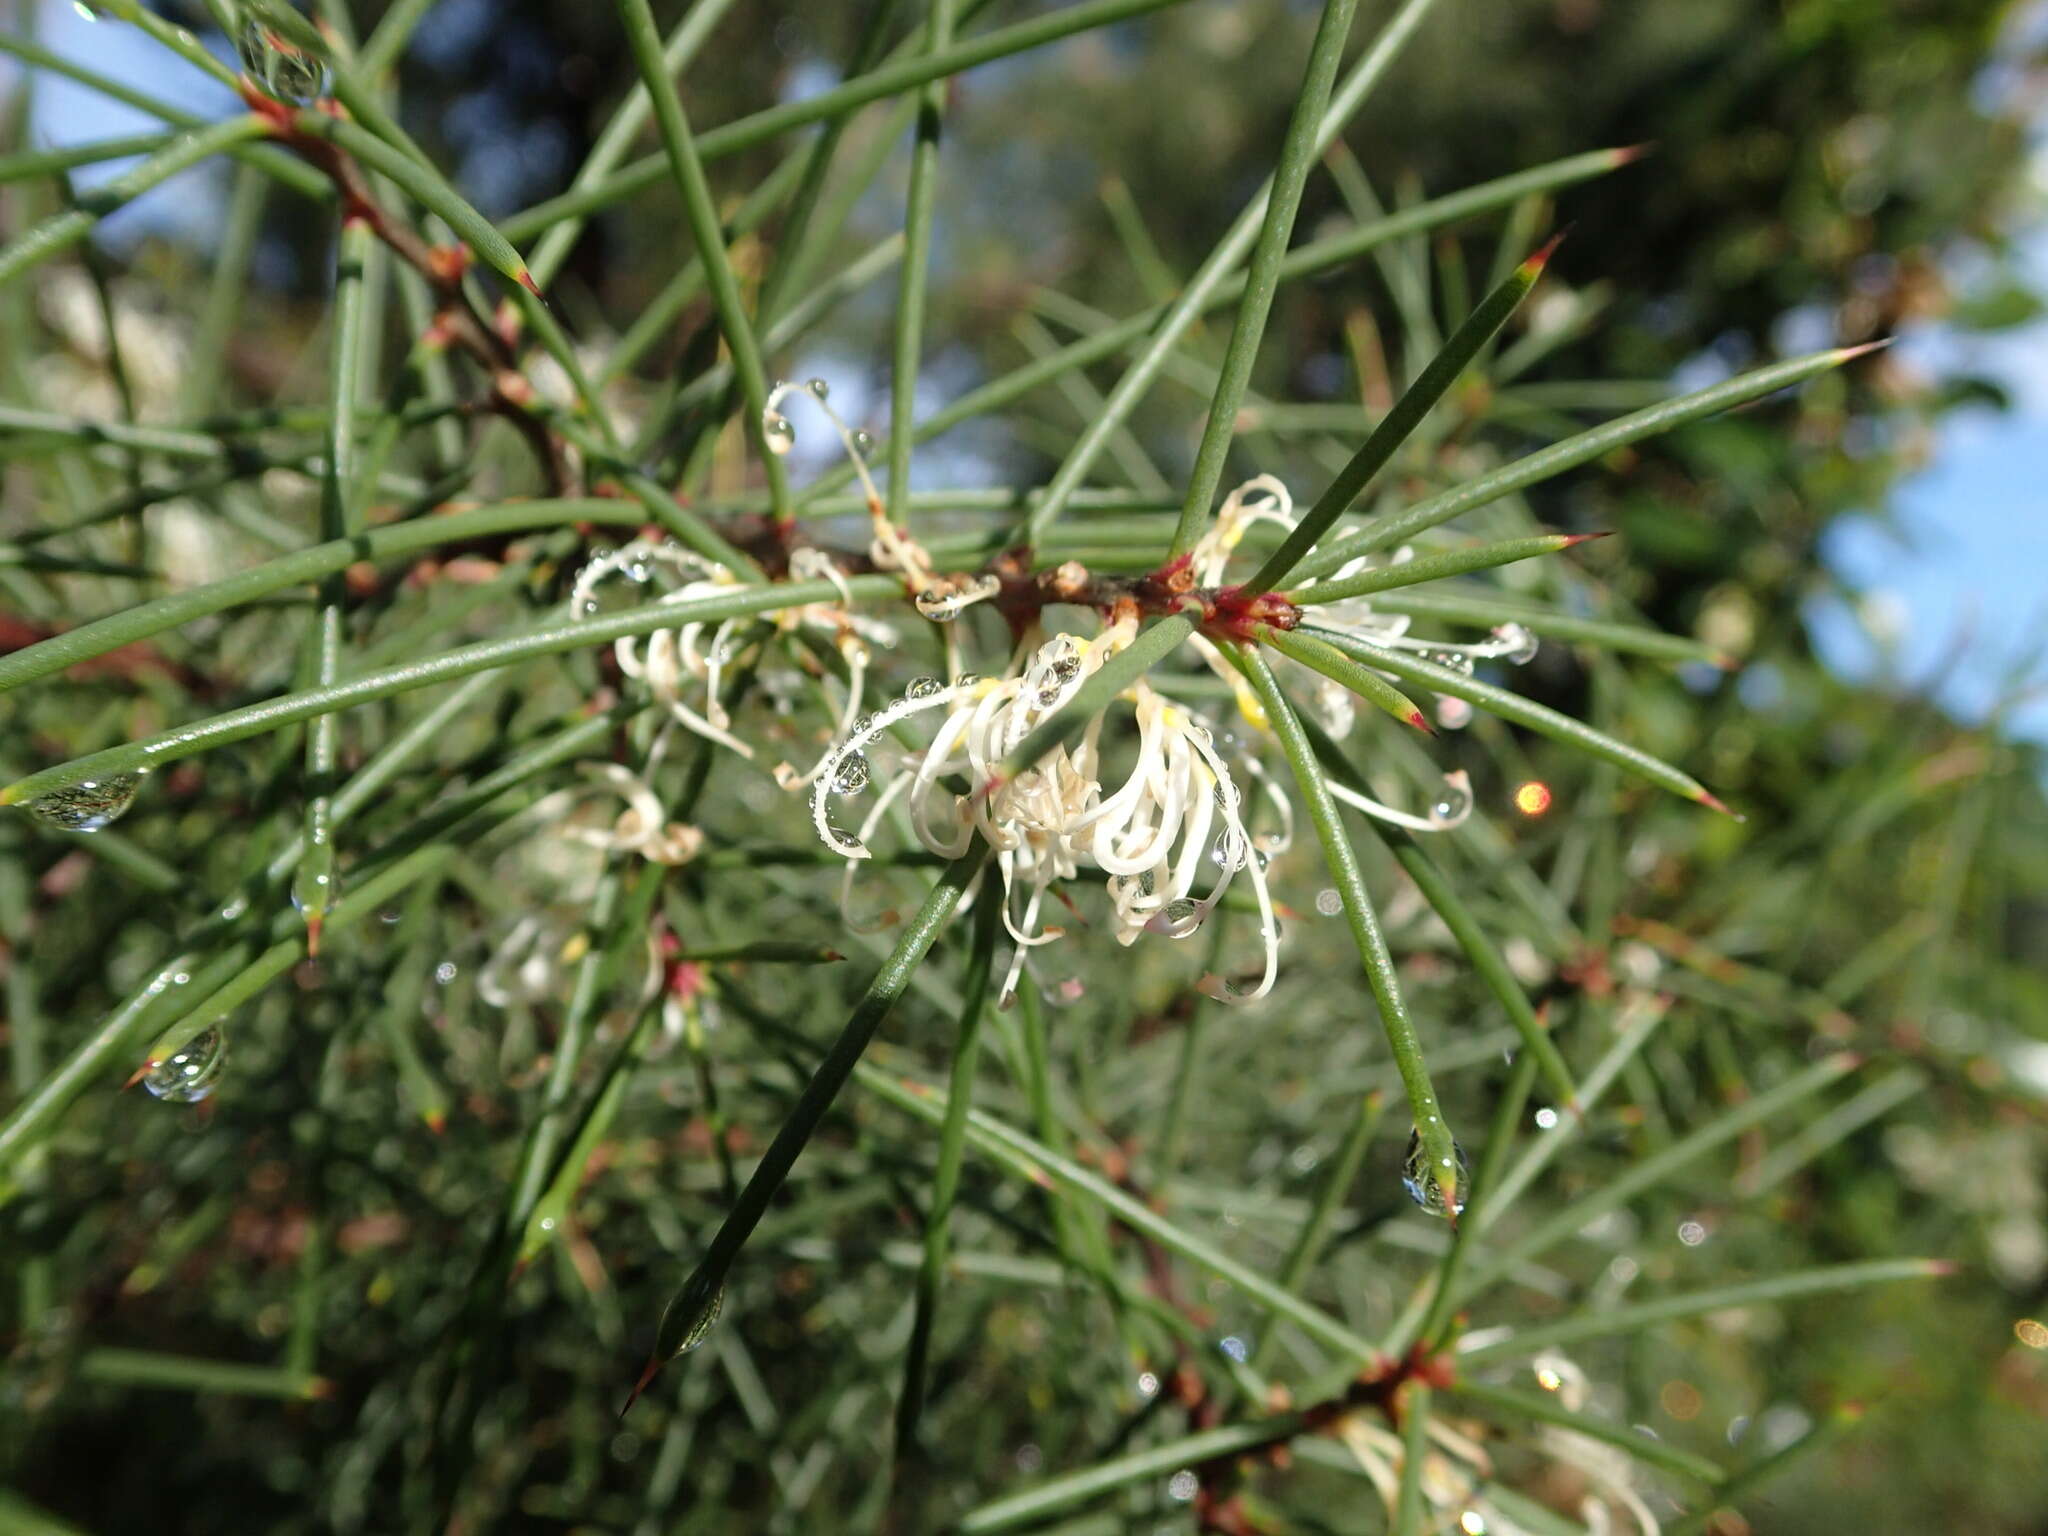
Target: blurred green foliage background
column 1826, row 160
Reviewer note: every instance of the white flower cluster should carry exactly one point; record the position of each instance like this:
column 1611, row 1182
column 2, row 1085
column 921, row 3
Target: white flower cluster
column 1266, row 500
column 1169, row 838
column 669, row 659
column 1174, row 824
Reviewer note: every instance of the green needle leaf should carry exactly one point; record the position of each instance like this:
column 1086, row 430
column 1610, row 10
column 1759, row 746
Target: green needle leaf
column 425, row 184
column 1443, row 371
column 1346, row 673
column 60, row 231
column 489, row 655
column 1574, row 451
column 1342, row 862
column 681, row 1323
column 1456, row 562
column 1631, row 1319
column 1262, row 279
column 1537, row 717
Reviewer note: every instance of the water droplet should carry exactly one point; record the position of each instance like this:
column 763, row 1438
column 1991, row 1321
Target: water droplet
column 1148, row 1385
column 819, row 389
column 188, row 1074
column 1546, row 1118
column 286, row 72
column 700, row 1330
column 388, row 916
column 924, row 688
column 88, row 806
column 967, row 680
column 445, row 972
column 862, row 724
column 1228, row 851
column 313, row 891
column 1457, row 661
column 1522, row 644
column 1453, row 802
column 780, row 435
column 1177, row 919
column 1692, row 1233
column 1422, row 1182
column 863, row 441
column 850, row 777
column 1235, row 1348
column 1182, row 1486
column 1329, row 902
column 939, row 607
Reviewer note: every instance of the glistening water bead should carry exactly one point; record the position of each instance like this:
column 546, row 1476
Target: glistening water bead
column 288, row 74
column 1452, row 803
column 781, row 436
column 188, row 1074
column 700, row 1330
column 88, row 806
column 1523, row 644
column 313, row 891
column 1423, row 1182
column 851, row 776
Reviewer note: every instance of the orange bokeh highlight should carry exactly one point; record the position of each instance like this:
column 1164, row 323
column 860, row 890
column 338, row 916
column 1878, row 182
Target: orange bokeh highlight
column 1533, row 798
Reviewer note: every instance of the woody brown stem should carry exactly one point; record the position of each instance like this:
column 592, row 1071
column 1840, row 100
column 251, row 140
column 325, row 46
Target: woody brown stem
column 457, row 320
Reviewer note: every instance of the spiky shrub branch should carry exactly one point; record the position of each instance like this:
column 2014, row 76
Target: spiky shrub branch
column 1165, row 682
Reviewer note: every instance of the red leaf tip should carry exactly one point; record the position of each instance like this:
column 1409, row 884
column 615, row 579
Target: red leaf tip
column 640, row 1386
column 1714, row 802
column 1415, row 719
column 1541, row 256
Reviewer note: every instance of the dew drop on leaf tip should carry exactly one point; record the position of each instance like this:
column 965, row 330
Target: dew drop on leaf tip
column 86, row 806
column 700, row 1330
column 1424, row 1186
column 189, row 1074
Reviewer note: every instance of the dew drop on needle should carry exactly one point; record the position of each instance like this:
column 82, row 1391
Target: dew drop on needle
column 87, row 806
column 1422, row 1180
column 189, row 1073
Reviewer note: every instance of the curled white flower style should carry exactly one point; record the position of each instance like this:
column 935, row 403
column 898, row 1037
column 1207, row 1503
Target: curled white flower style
column 684, row 668
column 525, row 968
column 1175, row 822
column 1265, row 499
column 643, row 826
column 940, row 598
